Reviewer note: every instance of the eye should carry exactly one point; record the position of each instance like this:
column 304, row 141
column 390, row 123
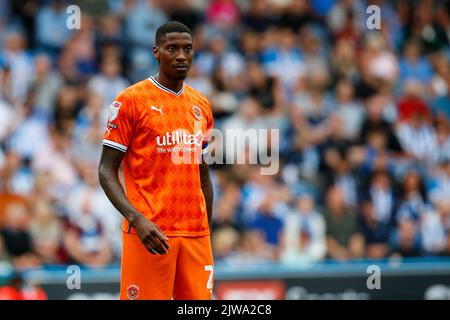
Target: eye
column 188, row 49
column 172, row 49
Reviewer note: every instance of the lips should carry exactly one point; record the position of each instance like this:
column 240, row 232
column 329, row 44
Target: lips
column 181, row 66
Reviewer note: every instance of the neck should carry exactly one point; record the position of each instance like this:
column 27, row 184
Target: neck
column 170, row 83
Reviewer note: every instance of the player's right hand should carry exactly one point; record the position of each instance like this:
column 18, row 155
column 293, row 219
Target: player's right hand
column 151, row 236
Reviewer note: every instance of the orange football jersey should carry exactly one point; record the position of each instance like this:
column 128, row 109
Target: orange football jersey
column 162, row 133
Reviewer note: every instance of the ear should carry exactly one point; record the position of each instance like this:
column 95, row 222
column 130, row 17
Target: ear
column 156, row 52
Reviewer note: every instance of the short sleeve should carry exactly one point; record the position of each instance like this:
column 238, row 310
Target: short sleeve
column 209, row 127
column 210, row 118
column 120, row 124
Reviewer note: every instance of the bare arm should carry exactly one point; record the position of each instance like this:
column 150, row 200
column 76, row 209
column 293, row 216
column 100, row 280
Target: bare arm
column 151, row 236
column 207, row 190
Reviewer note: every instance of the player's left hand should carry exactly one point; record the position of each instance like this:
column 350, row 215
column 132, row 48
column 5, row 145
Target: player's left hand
column 151, row 236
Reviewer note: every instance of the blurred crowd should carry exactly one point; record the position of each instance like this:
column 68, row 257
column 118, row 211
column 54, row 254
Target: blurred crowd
column 364, row 120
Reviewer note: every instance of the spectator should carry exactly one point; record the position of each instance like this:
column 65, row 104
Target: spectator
column 108, row 82
column 200, row 82
column 411, row 103
column 224, row 243
column 439, row 78
column 338, row 172
column 47, row 82
column 258, row 17
column 344, row 15
column 28, row 131
column 414, row 198
column 413, row 66
column 343, row 60
column 440, row 105
column 303, row 238
column 252, row 249
column 85, row 241
column 89, row 127
column 46, row 233
column 249, row 116
column 66, row 108
column 262, row 88
column 51, row 29
column 255, row 190
column 381, row 193
column 56, row 159
column 222, row 14
column 313, row 48
column 382, row 63
column 439, row 184
column 344, row 240
column 110, row 32
column 17, row 238
column 442, row 152
column 220, row 56
column 376, row 121
column 423, row 20
column 141, row 21
column 376, row 233
column 297, row 14
column 224, row 100
column 417, row 137
column 15, row 176
column 315, row 108
column 268, row 224
column 350, row 112
column 226, row 210
column 184, row 12
column 283, row 60
column 94, row 218
column 82, row 46
column 19, row 63
column 405, row 240
column 433, row 231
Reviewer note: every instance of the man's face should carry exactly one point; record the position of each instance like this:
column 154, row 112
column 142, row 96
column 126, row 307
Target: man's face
column 174, row 54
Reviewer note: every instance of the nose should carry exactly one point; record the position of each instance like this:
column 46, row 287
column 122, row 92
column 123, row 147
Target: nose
column 181, row 57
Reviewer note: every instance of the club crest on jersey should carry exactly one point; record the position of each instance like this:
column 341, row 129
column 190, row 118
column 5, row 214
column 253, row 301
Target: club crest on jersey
column 133, row 292
column 113, row 110
column 197, row 112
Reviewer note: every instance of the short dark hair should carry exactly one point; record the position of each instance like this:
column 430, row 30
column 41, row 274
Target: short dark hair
column 169, row 27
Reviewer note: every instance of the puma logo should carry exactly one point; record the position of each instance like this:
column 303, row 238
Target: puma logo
column 156, row 109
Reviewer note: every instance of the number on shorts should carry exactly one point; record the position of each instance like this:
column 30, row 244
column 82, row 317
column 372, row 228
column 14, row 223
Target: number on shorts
column 210, row 269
